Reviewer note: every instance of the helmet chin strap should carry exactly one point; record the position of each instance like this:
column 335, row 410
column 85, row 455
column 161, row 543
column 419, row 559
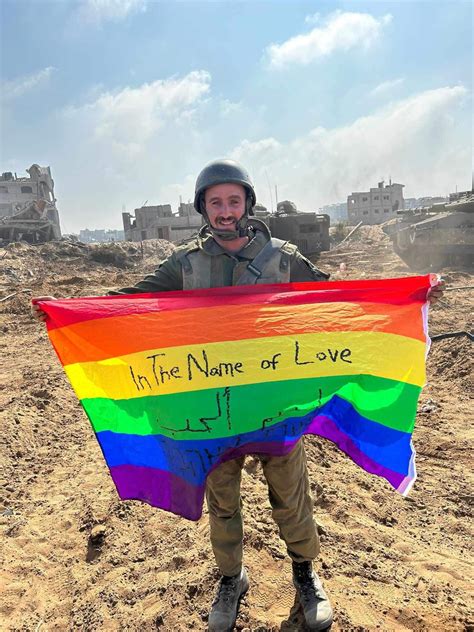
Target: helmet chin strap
column 241, row 229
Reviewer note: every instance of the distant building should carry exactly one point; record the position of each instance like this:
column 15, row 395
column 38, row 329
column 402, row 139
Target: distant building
column 337, row 212
column 377, row 205
column 100, row 235
column 158, row 222
column 186, row 209
column 28, row 206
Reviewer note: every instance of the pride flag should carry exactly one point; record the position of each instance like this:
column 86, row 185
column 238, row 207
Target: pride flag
column 175, row 383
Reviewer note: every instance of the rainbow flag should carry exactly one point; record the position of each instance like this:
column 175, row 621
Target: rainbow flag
column 175, row 383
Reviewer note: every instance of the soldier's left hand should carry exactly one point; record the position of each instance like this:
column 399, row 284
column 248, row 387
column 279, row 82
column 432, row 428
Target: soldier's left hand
column 436, row 292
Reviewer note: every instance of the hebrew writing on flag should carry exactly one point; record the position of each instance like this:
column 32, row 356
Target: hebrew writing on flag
column 175, row 383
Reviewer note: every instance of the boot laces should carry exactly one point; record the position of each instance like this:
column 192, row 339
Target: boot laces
column 228, row 589
column 305, row 579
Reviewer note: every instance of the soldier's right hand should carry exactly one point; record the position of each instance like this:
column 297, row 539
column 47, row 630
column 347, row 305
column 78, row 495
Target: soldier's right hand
column 36, row 310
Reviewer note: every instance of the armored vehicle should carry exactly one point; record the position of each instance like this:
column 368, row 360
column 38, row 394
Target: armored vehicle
column 433, row 236
column 308, row 231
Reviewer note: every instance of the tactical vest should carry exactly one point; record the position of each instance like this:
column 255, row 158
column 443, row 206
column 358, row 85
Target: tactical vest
column 271, row 265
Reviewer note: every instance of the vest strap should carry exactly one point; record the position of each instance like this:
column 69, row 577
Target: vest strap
column 287, row 251
column 184, row 261
column 254, row 269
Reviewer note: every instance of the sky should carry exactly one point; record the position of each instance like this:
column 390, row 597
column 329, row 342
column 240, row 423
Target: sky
column 127, row 100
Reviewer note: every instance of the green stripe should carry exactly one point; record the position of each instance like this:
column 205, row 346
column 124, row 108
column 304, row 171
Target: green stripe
column 384, row 401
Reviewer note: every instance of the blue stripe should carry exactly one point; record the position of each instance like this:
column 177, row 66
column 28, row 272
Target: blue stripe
column 387, row 446
column 193, row 459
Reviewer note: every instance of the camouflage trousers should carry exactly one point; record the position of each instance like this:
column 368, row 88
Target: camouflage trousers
column 290, row 498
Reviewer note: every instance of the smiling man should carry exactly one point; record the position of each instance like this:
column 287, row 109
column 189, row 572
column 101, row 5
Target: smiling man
column 234, row 248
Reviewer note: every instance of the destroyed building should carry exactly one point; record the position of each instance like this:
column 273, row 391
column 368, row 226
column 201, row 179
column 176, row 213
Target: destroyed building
column 100, row 235
column 159, row 222
column 28, row 207
column 377, row 205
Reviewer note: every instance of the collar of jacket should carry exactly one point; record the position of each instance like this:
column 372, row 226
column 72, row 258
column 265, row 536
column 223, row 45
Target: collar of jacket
column 258, row 237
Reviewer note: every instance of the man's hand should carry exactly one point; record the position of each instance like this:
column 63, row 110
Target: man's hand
column 436, row 292
column 36, row 310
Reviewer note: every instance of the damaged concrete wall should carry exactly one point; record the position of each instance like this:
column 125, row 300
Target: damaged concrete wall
column 28, row 209
column 158, row 222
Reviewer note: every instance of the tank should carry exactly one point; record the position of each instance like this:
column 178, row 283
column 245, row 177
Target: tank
column 308, row 231
column 431, row 237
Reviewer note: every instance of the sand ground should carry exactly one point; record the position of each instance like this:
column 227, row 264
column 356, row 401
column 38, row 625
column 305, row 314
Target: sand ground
column 75, row 557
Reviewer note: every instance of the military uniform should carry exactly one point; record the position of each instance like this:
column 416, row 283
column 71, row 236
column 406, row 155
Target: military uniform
column 203, row 263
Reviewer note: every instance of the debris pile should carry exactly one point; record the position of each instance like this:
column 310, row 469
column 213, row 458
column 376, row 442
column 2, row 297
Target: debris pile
column 71, row 268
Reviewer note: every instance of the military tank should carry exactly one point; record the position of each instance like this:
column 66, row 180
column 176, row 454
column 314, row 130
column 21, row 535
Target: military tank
column 431, row 237
column 308, row 231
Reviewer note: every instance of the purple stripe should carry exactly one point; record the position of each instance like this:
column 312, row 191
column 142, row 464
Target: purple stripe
column 325, row 427
column 170, row 492
column 160, row 489
column 407, row 483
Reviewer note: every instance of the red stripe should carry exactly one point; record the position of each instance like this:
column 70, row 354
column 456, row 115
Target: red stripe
column 400, row 291
column 98, row 339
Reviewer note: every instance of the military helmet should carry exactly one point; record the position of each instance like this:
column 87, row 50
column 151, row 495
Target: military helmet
column 222, row 172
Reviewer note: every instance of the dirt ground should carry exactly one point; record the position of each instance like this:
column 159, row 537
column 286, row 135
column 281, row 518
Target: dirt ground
column 75, row 557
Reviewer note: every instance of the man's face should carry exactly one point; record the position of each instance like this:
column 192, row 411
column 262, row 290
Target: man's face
column 225, row 205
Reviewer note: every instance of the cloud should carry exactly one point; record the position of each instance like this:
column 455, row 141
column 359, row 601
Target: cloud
column 126, row 120
column 179, row 190
column 20, row 86
column 230, row 108
column 263, row 151
column 314, row 18
column 99, row 11
column 419, row 141
column 129, row 145
column 386, row 86
column 340, row 31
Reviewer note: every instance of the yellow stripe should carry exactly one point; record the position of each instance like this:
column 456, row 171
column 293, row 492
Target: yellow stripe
column 373, row 353
column 384, row 355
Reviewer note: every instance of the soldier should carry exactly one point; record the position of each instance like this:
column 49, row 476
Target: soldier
column 234, row 248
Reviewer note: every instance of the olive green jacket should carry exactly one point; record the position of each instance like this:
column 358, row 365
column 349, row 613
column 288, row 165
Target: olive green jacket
column 169, row 275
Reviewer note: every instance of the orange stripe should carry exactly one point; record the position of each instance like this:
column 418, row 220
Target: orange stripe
column 116, row 336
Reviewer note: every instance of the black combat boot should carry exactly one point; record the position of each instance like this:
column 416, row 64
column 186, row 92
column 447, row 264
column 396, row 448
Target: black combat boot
column 314, row 601
column 224, row 609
